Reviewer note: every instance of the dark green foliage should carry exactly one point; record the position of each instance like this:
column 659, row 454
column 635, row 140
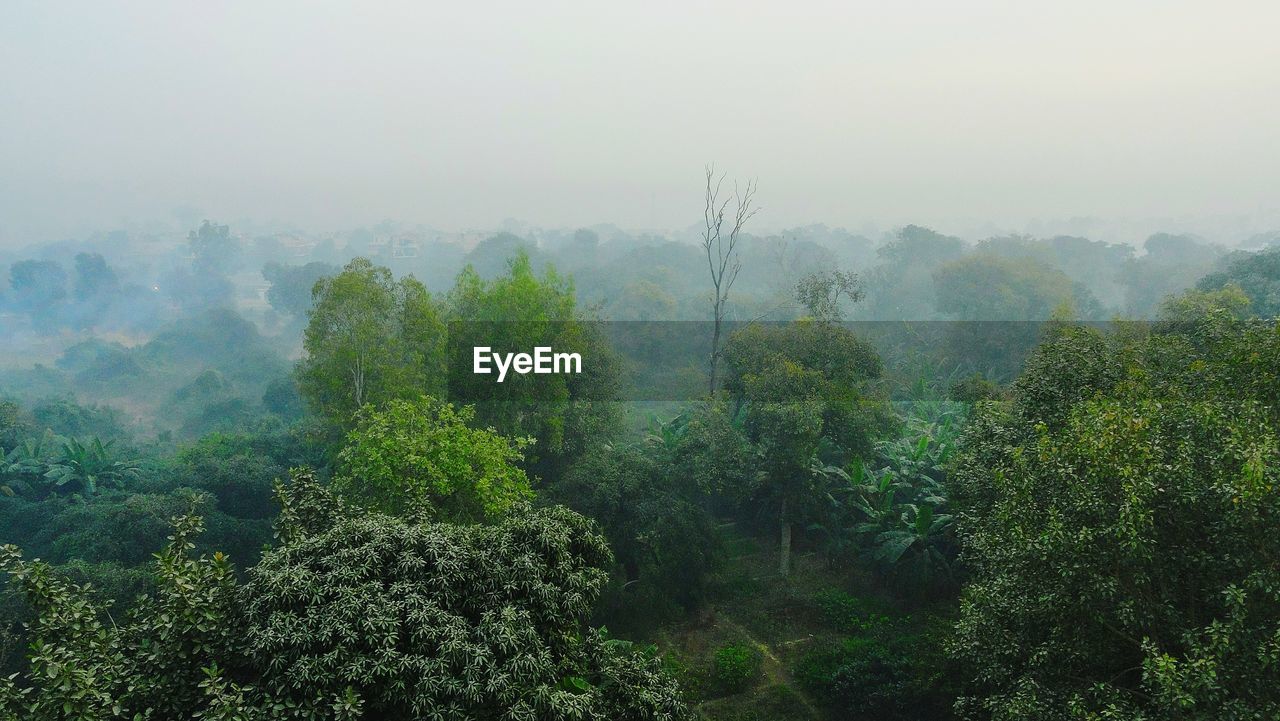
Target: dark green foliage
column 1257, row 274
column 973, row 389
column 1118, row 526
column 353, row 616
column 803, row 385
column 47, row 465
column 238, row 474
column 897, row 516
column 886, row 672
column 84, row 467
column 65, row 417
column 14, row 424
column 81, row 668
column 660, row 533
column 283, row 399
column 422, row 618
column 709, row 449
column 798, row 363
column 291, row 285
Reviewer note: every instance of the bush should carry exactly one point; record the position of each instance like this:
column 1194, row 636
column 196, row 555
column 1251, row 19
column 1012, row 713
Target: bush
column 849, row 613
column 890, row 671
column 735, row 667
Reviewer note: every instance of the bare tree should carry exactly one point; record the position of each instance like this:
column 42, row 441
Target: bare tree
column 720, row 237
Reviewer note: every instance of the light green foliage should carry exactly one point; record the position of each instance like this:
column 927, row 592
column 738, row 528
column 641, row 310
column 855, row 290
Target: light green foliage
column 1184, row 312
column 735, row 666
column 514, row 312
column 370, row 339
column 1118, row 523
column 423, row 457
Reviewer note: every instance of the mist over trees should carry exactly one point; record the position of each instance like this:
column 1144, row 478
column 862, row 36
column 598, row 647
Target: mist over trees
column 932, row 478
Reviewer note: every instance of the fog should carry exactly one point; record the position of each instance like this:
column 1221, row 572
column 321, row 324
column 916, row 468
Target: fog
column 1116, row 119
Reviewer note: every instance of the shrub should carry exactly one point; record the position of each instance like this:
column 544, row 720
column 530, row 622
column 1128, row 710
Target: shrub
column 735, row 667
column 893, row 670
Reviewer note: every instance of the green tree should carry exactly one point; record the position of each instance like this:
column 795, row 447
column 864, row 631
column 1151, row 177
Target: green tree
column 1000, row 303
column 988, row 287
column 423, row 457
column 901, row 287
column 801, row 384
column 516, row 312
column 661, row 534
column 1117, row 519
column 370, row 339
column 437, row 620
column 1170, row 265
column 37, row 286
column 213, row 250
column 95, row 280
column 820, row 293
column 291, row 285
column 354, row 615
column 1257, row 274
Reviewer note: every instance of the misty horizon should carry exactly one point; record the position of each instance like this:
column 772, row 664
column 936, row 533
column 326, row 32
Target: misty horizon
column 1112, row 121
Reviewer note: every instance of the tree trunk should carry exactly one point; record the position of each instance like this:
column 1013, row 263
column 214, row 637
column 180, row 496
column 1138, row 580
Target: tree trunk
column 715, row 348
column 784, row 557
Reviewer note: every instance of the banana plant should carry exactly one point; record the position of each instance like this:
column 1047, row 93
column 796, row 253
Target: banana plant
column 862, row 503
column 666, row 435
column 921, row 544
column 85, row 467
column 25, row 465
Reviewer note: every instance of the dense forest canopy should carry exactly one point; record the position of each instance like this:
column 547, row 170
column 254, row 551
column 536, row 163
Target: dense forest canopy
column 934, row 478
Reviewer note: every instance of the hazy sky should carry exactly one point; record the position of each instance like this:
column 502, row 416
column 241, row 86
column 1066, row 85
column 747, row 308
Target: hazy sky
column 569, row 113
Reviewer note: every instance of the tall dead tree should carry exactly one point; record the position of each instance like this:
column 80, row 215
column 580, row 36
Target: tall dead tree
column 720, row 237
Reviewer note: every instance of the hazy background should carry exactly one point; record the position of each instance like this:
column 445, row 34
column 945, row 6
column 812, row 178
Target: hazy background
column 971, row 117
